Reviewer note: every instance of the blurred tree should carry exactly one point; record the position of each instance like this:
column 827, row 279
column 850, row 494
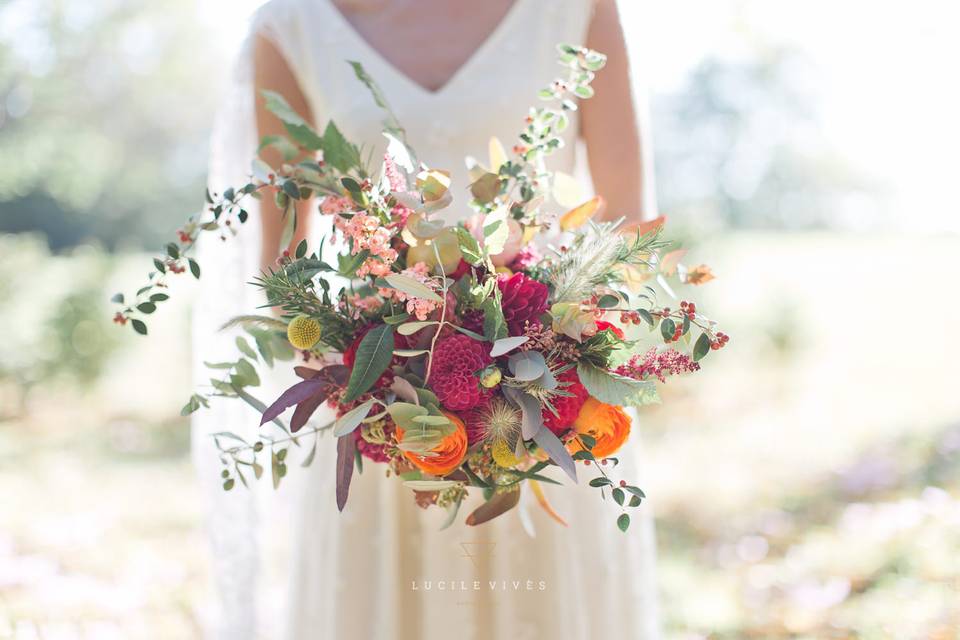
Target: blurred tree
column 740, row 145
column 58, row 332
column 104, row 113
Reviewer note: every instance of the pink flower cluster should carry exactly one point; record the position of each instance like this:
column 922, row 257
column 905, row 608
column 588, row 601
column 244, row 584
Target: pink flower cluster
column 361, row 304
column 368, row 234
column 420, row 307
column 658, row 363
column 332, row 205
column 392, row 173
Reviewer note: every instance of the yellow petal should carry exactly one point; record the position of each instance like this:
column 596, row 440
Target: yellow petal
column 633, row 276
column 577, row 216
column 530, row 232
column 567, row 190
column 433, row 184
column 498, row 155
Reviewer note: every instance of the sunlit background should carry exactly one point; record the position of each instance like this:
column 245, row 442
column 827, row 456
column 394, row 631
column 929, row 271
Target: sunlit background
column 805, row 484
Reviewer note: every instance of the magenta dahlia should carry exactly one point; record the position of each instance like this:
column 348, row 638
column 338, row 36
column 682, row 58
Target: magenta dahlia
column 567, row 407
column 456, row 361
column 524, row 300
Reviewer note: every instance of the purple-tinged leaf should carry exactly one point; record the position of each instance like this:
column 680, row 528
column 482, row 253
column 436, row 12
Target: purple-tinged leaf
column 557, row 452
column 346, row 447
column 495, row 506
column 294, row 395
column 306, row 409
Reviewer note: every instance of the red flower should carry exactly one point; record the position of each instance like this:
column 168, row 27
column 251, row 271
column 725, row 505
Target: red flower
column 524, row 299
column 603, row 324
column 567, row 407
column 455, row 361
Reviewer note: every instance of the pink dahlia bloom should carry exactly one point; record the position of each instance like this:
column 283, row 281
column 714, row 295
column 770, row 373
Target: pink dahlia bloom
column 456, row 360
column 524, row 299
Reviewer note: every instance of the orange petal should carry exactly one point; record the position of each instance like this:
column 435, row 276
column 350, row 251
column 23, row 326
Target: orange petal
column 646, row 227
column 700, row 274
column 669, row 262
column 577, row 216
column 542, row 500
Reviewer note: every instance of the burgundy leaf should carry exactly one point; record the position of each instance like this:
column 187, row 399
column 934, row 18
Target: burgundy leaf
column 336, row 373
column 294, row 395
column 495, row 506
column 346, row 447
column 306, row 373
column 306, row 408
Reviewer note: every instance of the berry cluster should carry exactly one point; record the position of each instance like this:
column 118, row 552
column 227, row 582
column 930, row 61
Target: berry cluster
column 677, row 332
column 630, row 317
column 720, row 342
column 689, row 308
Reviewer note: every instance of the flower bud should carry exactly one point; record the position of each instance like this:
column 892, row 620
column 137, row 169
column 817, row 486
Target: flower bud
column 490, row 377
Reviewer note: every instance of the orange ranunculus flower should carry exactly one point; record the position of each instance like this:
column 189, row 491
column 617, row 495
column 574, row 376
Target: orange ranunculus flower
column 450, row 452
column 605, row 422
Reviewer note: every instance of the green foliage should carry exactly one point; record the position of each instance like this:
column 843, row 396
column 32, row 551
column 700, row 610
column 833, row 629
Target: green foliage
column 614, row 389
column 58, row 332
column 372, row 359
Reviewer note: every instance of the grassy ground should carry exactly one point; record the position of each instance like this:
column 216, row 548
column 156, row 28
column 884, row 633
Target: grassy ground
column 805, row 483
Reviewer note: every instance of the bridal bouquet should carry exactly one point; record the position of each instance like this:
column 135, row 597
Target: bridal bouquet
column 471, row 356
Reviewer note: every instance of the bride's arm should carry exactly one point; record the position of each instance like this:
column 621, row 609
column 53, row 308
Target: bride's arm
column 610, row 124
column 272, row 72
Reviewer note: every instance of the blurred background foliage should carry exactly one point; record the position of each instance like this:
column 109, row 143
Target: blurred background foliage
column 805, row 484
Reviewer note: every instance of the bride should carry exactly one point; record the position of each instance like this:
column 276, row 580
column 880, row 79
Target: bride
column 455, row 74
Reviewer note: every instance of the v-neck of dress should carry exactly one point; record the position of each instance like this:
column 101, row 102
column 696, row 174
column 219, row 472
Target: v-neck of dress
column 489, row 42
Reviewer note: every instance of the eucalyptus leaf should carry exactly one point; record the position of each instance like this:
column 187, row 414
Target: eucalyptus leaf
column 527, row 366
column 351, row 419
column 412, row 287
column 430, row 485
column 506, row 345
column 410, row 328
column 551, row 444
column 616, row 389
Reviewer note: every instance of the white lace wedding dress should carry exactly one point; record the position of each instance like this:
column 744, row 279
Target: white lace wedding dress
column 382, row 569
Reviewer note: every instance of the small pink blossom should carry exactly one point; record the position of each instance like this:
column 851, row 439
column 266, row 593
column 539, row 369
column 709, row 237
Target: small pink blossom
column 528, row 257
column 332, row 205
column 392, row 172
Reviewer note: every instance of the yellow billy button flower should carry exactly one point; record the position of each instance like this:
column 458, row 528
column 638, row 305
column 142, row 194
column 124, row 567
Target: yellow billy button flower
column 490, row 377
column 503, row 455
column 303, row 332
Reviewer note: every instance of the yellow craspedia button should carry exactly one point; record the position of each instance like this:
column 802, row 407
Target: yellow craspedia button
column 303, row 332
column 503, row 454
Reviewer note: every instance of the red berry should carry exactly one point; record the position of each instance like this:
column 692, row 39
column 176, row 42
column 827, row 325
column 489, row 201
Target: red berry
column 586, row 463
column 623, row 483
